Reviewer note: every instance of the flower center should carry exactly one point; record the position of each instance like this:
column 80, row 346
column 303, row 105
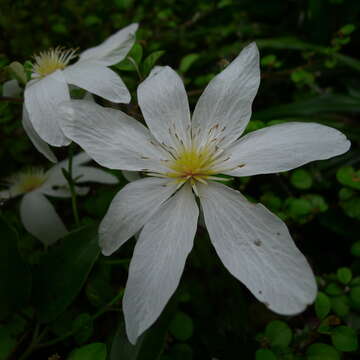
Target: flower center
column 192, row 164
column 51, row 60
column 27, row 181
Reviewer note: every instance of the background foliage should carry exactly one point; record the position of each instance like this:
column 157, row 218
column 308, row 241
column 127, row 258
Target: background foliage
column 65, row 303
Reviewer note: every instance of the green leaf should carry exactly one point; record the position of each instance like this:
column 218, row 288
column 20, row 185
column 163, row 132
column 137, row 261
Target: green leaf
column 319, row 351
column 278, row 333
column 94, row 351
column 340, row 305
column 322, row 305
column 301, row 179
column 83, row 328
column 355, row 297
column 344, row 338
column 333, row 289
column 15, row 276
column 150, row 61
column 181, row 326
column 7, row 343
column 346, row 175
column 187, row 61
column 344, row 275
column 265, row 354
column 355, row 249
column 63, row 271
column 135, row 55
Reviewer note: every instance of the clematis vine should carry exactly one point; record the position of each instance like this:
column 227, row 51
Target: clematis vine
column 52, row 74
column 186, row 158
column 38, row 215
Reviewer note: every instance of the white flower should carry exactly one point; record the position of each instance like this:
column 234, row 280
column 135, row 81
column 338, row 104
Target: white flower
column 37, row 213
column 52, row 74
column 182, row 154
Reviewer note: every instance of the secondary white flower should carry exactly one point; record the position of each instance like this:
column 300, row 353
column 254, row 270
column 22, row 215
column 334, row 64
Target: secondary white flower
column 52, row 74
column 37, row 213
column 184, row 157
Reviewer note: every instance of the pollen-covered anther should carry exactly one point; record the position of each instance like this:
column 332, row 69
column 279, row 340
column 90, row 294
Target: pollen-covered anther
column 46, row 62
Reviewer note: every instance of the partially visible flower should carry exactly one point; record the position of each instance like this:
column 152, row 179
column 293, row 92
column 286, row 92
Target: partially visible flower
column 185, row 157
column 37, row 213
column 52, row 73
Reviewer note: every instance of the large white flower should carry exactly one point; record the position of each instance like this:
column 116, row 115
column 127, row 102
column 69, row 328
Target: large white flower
column 37, row 213
column 52, row 74
column 184, row 158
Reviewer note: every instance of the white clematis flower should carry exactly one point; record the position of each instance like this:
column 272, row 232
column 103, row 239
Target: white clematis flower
column 184, row 158
column 37, row 213
column 52, row 76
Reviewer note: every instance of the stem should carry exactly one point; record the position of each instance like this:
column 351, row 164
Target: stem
column 32, row 344
column 72, row 186
column 95, row 316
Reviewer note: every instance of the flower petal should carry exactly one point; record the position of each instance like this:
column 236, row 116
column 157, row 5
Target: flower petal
column 99, row 80
column 114, row 48
column 11, row 88
column 164, row 104
column 112, row 138
column 39, row 143
column 84, row 174
column 284, row 147
column 40, row 218
column 42, row 99
column 256, row 247
column 131, row 208
column 131, row 175
column 225, row 105
column 158, row 261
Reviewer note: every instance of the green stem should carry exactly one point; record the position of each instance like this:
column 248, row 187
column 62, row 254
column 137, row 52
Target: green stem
column 32, row 344
column 95, row 316
column 72, row 186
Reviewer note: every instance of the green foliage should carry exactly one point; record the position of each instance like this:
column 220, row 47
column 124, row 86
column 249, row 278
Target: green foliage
column 95, row 351
column 181, row 326
column 322, row 305
column 344, row 338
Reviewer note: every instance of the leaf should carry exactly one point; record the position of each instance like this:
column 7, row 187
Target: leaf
column 328, row 103
column 355, row 297
column 150, row 61
column 346, row 175
column 319, row 351
column 187, row 61
column 333, row 289
column 15, row 275
column 83, row 328
column 344, row 338
column 181, row 326
column 301, row 179
column 265, row 354
column 135, row 55
column 340, row 305
column 278, row 333
column 344, row 275
column 322, row 305
column 63, row 271
column 293, row 43
column 7, row 343
column 94, row 351
column 355, row 249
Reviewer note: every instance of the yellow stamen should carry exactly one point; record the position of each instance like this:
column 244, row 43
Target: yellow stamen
column 51, row 60
column 27, row 181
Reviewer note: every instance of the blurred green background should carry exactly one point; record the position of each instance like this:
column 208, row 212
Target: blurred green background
column 310, row 72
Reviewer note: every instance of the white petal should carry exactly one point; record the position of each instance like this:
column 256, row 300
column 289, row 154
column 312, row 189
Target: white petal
column 164, row 104
column 284, row 147
column 131, row 208
column 99, row 80
column 39, row 143
column 114, row 48
column 84, row 174
column 158, row 261
column 11, row 88
column 225, row 105
column 131, row 175
column 112, row 138
column 4, row 195
column 42, row 99
column 40, row 218
column 256, row 247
